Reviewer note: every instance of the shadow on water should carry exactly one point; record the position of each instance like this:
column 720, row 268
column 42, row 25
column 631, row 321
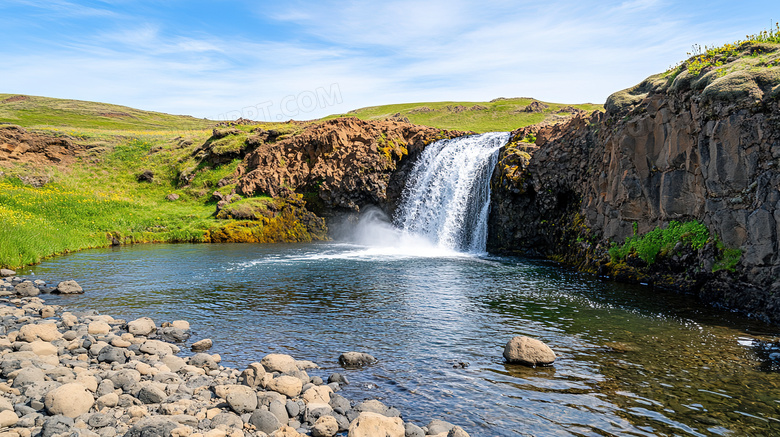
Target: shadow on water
column 631, row 360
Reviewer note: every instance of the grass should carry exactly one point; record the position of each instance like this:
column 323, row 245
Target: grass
column 36, row 112
column 493, row 116
column 662, row 241
column 702, row 58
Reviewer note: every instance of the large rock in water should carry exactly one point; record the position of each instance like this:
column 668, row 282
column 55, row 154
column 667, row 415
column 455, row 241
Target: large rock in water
column 528, row 351
column 69, row 287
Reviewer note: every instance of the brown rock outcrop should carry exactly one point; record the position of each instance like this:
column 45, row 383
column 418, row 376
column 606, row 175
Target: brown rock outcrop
column 19, row 145
column 675, row 147
column 347, row 163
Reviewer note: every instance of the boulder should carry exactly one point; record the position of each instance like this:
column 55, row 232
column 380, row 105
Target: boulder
column 150, row 394
column 110, row 354
column 142, row 327
column 326, row 426
column 528, row 351
column 356, row 359
column 152, row 426
column 289, row 386
column 26, row 289
column 69, row 287
column 6, row 273
column 242, row 399
column 318, row 394
column 42, row 331
column 98, row 328
column 279, row 363
column 70, row 400
column 373, row 425
column 8, row 418
column 202, row 345
column 264, row 421
column 253, row 375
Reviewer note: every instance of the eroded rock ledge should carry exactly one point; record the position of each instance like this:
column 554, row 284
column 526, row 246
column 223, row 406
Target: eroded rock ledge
column 675, row 147
column 339, row 165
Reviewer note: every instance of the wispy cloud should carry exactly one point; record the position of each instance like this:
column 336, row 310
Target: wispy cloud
column 190, row 59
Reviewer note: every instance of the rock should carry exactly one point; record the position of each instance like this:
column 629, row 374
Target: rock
column 8, row 418
column 69, row 400
column 26, row 289
column 171, row 334
column 125, row 378
column 172, row 197
column 356, row 359
column 39, row 347
column 142, row 327
column 41, row 331
column 228, row 420
column 6, row 273
column 279, row 363
column 338, row 378
column 528, row 351
column 150, row 394
column 289, row 386
column 27, row 376
column 204, row 361
column 437, row 426
column 264, row 421
column 318, row 394
column 69, row 287
column 457, row 431
column 57, row 425
column 202, row 345
column 110, row 354
column 157, row 347
column 326, row 426
column 152, row 427
column 109, row 400
column 253, row 375
column 372, row 425
column 242, row 399
column 279, row 409
column 145, row 176
column 98, row 328
column 412, row 430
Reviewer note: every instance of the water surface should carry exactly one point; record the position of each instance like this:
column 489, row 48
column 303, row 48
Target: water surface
column 632, row 361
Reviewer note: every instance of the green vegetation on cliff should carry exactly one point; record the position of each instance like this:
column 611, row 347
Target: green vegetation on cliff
column 663, row 241
column 498, row 115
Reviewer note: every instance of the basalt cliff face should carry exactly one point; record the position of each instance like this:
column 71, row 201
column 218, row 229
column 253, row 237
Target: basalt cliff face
column 340, row 165
column 677, row 147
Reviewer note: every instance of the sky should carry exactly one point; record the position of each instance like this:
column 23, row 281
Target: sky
column 295, row 59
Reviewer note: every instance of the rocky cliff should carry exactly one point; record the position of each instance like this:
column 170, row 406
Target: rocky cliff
column 339, row 165
column 690, row 144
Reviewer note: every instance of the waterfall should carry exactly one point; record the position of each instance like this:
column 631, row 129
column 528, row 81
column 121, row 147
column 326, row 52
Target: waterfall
column 447, row 197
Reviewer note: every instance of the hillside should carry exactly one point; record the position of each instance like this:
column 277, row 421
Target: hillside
column 38, row 112
column 497, row 115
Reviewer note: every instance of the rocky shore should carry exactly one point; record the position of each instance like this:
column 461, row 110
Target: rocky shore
column 84, row 374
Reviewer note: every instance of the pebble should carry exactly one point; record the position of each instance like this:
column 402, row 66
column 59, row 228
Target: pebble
column 64, row 372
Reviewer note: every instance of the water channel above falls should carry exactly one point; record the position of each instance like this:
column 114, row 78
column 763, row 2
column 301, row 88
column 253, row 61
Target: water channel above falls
column 422, row 296
column 632, row 361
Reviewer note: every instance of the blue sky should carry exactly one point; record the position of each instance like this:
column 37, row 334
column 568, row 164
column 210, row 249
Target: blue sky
column 307, row 59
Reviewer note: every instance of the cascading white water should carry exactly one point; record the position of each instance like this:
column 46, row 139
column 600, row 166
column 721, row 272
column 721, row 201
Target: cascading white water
column 447, row 196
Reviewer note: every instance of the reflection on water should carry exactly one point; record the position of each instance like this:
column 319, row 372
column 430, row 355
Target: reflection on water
column 632, row 361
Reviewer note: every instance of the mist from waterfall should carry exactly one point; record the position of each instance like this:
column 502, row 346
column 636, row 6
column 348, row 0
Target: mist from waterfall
column 445, row 205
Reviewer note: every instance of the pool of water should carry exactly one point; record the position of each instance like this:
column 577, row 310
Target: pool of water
column 631, row 360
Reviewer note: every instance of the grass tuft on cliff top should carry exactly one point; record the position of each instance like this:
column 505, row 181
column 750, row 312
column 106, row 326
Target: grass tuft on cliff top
column 498, row 115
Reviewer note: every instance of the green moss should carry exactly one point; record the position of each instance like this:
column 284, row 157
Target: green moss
column 661, row 241
column 729, row 259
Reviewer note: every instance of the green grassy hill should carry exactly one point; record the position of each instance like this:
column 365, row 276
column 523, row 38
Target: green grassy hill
column 493, row 116
column 40, row 112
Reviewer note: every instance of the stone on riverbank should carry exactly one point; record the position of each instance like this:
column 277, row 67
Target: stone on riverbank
column 5, row 273
column 528, row 351
column 373, row 424
column 86, row 372
column 356, row 359
column 69, row 287
column 70, row 400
